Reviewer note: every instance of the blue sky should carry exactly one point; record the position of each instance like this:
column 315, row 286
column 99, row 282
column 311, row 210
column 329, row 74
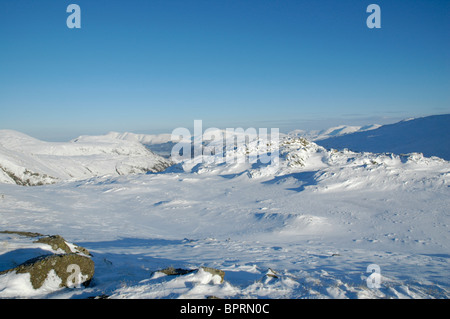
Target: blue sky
column 152, row 66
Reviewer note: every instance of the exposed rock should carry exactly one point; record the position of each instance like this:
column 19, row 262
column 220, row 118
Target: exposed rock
column 170, row 271
column 215, row 272
column 21, row 233
column 270, row 275
column 57, row 242
column 71, row 263
column 103, row 296
column 73, row 269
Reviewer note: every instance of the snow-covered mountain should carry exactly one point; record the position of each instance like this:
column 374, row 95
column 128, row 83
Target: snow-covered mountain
column 317, row 135
column 295, row 155
column 28, row 161
column 286, row 219
column 25, row 160
column 428, row 135
column 160, row 144
column 145, row 139
column 307, row 226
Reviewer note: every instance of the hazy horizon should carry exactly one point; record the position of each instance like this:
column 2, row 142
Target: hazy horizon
column 150, row 67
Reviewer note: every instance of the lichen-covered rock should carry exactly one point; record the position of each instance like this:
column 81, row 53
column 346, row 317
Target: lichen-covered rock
column 57, row 242
column 21, row 233
column 171, row 271
column 73, row 269
column 215, row 272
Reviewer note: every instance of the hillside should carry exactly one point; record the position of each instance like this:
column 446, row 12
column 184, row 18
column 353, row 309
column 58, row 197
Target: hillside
column 160, row 144
column 27, row 161
column 317, row 135
column 428, row 135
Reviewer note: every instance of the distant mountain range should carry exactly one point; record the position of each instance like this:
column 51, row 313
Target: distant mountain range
column 25, row 160
column 427, row 135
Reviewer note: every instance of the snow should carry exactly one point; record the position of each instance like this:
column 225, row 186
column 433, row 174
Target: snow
column 305, row 227
column 160, row 144
column 340, row 130
column 28, row 161
column 427, row 135
column 145, row 139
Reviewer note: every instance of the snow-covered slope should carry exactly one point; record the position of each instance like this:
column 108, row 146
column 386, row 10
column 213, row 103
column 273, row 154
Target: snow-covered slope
column 163, row 144
column 305, row 225
column 27, row 161
column 428, row 135
column 317, row 135
column 146, row 139
column 160, row 144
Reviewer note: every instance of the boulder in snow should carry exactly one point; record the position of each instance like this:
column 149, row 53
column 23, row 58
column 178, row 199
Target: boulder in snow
column 71, row 269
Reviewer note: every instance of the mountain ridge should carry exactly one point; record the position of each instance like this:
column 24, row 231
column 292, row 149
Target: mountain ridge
column 428, row 135
column 25, row 160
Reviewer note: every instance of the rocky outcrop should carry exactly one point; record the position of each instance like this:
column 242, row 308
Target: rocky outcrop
column 57, row 242
column 171, row 271
column 215, row 272
column 70, row 265
column 72, row 269
column 21, row 233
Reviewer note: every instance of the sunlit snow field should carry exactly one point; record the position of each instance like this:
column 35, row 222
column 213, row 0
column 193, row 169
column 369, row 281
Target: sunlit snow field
column 306, row 228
